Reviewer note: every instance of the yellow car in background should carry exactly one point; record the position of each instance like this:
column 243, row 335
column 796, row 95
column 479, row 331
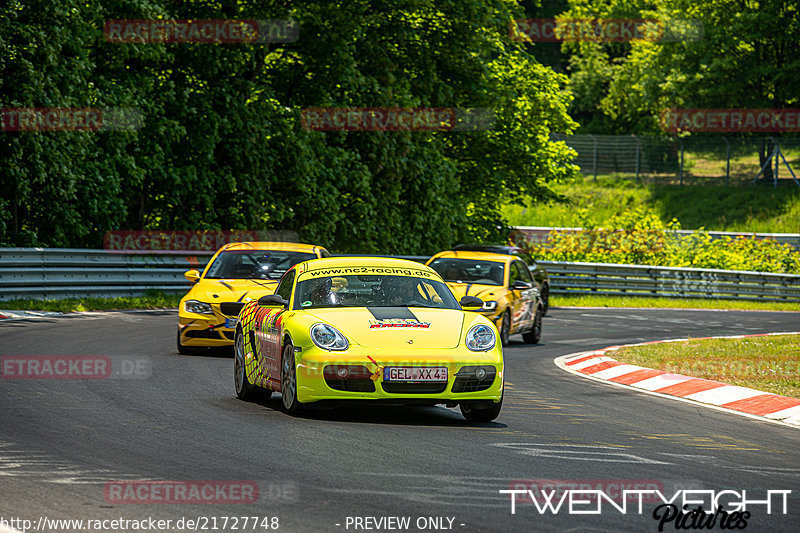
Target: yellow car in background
column 237, row 273
column 504, row 283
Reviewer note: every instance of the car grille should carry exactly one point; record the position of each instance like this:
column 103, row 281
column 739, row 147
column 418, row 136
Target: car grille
column 228, row 335
column 467, row 382
column 400, row 387
column 351, row 385
column 203, row 334
column 231, row 308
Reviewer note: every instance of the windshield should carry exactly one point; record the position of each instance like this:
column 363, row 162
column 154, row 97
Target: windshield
column 373, row 291
column 254, row 264
column 469, row 270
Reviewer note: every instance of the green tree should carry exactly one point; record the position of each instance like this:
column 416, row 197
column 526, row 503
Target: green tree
column 222, row 145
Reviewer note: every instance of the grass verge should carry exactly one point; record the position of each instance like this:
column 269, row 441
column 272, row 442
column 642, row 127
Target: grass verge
column 769, row 364
column 741, row 207
column 151, row 300
column 668, row 303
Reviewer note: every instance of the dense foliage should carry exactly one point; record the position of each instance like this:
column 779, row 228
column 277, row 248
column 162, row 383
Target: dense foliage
column 640, row 237
column 731, row 54
column 222, row 145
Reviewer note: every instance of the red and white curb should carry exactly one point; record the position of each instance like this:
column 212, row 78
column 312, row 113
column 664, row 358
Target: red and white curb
column 740, row 400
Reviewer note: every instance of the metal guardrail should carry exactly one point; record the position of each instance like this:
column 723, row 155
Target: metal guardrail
column 641, row 280
column 38, row 273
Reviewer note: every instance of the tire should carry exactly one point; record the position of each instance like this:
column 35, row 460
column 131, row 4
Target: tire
column 480, row 415
column 545, row 295
column 184, row 350
column 244, row 389
column 534, row 335
column 505, row 329
column 289, row 382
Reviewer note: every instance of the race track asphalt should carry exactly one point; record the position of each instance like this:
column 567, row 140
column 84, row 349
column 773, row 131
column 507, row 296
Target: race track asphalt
column 63, row 441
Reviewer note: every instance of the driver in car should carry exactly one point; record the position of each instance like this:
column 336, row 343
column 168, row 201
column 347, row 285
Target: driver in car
column 322, row 294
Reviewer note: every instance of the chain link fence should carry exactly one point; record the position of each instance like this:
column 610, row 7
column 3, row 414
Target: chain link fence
column 694, row 159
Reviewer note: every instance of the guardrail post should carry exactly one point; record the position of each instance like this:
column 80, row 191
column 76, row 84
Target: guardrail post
column 727, row 161
column 594, row 155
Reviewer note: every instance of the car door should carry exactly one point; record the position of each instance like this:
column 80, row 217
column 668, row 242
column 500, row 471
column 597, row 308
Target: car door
column 268, row 331
column 523, row 299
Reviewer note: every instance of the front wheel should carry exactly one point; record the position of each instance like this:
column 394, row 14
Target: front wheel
column 289, row 382
column 533, row 335
column 482, row 414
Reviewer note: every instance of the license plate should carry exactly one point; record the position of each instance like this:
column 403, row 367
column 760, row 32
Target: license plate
column 415, row 373
column 231, row 322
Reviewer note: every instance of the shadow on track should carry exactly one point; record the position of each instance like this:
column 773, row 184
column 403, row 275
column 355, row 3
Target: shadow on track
column 367, row 412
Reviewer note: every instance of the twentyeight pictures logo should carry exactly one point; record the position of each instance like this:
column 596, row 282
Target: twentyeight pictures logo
column 683, row 509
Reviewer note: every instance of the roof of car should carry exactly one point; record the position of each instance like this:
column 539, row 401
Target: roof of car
column 505, row 248
column 359, row 261
column 264, row 245
column 464, row 254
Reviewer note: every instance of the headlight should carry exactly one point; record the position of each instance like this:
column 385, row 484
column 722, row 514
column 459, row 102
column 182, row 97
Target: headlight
column 489, row 306
column 328, row 337
column 193, row 306
column 480, row 338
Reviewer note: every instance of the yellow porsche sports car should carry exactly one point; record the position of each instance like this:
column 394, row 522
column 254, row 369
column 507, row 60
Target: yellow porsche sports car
column 504, row 283
column 237, row 273
column 373, row 329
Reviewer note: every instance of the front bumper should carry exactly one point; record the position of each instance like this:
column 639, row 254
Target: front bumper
column 206, row 330
column 313, row 385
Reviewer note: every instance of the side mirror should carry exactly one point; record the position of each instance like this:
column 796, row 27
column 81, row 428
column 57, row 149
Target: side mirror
column 272, row 300
column 520, row 285
column 471, row 303
column 192, row 275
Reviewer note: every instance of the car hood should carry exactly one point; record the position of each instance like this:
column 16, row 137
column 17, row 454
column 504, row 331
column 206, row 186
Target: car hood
column 231, row 290
column 387, row 327
column 486, row 293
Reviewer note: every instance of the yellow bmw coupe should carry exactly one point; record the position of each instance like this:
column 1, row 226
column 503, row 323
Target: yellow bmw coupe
column 237, row 273
column 369, row 329
column 504, row 283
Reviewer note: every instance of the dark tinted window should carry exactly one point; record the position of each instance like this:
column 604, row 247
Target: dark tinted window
column 373, row 291
column 526, row 258
column 284, row 289
column 469, row 270
column 524, row 273
column 254, row 264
